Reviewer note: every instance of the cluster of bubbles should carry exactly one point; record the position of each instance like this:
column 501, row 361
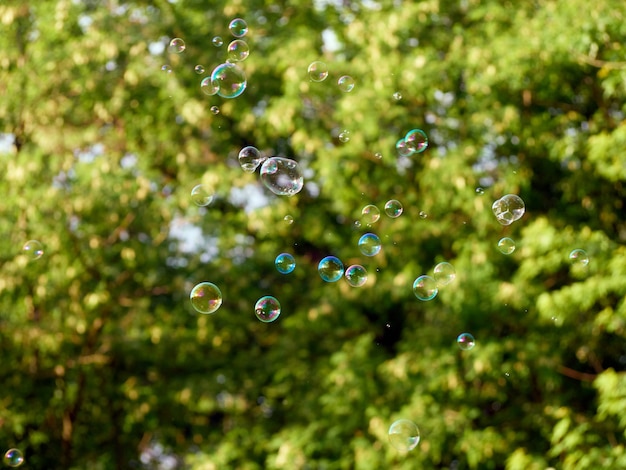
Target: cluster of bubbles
column 318, row 72
column 13, row 458
column 508, row 209
column 415, row 141
column 426, row 287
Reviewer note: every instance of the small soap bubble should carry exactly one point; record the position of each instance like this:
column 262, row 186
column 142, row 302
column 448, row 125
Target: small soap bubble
column 579, row 257
column 215, row 109
column 506, row 246
column 402, row 149
column 346, row 83
column 330, row 269
column 378, row 155
column 508, row 209
column 267, row 309
column 230, row 80
column 444, row 273
column 425, row 288
column 416, row 140
column 344, row 136
column 404, row 435
column 288, row 219
column 250, row 158
column 209, row 87
column 177, row 45
column 423, row 215
column 397, row 96
column 166, row 68
column 285, row 263
column 480, row 190
column 318, row 71
column 217, row 41
column 369, row 244
column 393, row 208
column 201, row 196
column 282, row 176
column 465, row 341
column 33, row 249
column 370, row 214
column 13, row 458
column 199, row 69
column 357, row 225
column 356, row 275
column 238, row 27
column 238, row 50
column 206, row 297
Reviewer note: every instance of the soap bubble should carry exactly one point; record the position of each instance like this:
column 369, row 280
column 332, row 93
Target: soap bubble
column 378, row 155
column 267, row 309
column 285, row 263
column 416, row 140
column 330, row 269
column 393, row 208
column 318, row 71
column 215, row 109
column 404, row 435
column 288, row 219
column 425, row 288
column 199, row 69
column 250, row 158
column 344, row 136
column 346, row 83
column 356, row 275
column 238, row 50
column 397, row 96
column 579, row 257
column 166, row 68
column 423, row 215
column 230, row 80
column 206, row 297
column 177, row 45
column 480, row 190
column 282, row 176
column 370, row 214
column 208, row 86
column 402, row 149
column 369, row 244
column 465, row 341
column 238, row 27
column 506, row 246
column 217, row 41
column 444, row 273
column 508, row 209
column 13, row 458
column 33, row 249
column 201, row 196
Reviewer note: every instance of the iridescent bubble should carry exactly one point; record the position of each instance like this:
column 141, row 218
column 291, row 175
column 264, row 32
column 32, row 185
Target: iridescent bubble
column 206, row 297
column 238, row 27
column 402, row 149
column 209, row 87
column 444, row 273
column 250, row 158
column 166, row 68
column 404, row 435
column 344, row 136
column 199, row 69
column 282, row 176
column 506, row 246
column 215, row 109
column 579, row 257
column 369, row 244
column 425, row 288
column 33, row 249
column 393, row 208
column 397, row 96
column 238, row 50
column 508, row 209
column 318, row 71
column 346, row 83
column 370, row 214
column 288, row 219
column 330, row 269
column 356, row 275
column 230, row 80
column 423, row 215
column 285, row 263
column 201, row 196
column 217, row 41
column 177, row 45
column 13, row 458
column 267, row 309
column 416, row 140
column 465, row 341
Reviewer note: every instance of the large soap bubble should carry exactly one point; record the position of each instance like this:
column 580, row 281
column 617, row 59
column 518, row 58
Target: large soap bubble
column 282, row 176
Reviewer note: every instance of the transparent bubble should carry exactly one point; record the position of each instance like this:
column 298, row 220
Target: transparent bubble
column 238, row 27
column 416, row 140
column 250, row 158
column 230, row 80
column 13, row 458
column 238, row 50
column 330, row 269
column 404, row 435
column 378, row 155
column 206, row 297
column 288, row 219
column 465, row 341
column 33, row 249
column 215, row 109
column 508, row 209
column 444, row 273
column 282, row 176
column 370, row 214
column 423, row 215
column 506, row 246
column 480, row 190
column 393, row 208
column 579, row 257
column 267, row 309
column 425, row 288
column 177, row 45
column 344, row 136
column 201, row 196
column 217, row 41
column 318, row 71
column 356, row 275
column 357, row 225
column 199, row 69
column 166, row 68
column 402, row 149
column 285, row 263
column 397, row 96
column 346, row 83
column 369, row 244
column 209, row 87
